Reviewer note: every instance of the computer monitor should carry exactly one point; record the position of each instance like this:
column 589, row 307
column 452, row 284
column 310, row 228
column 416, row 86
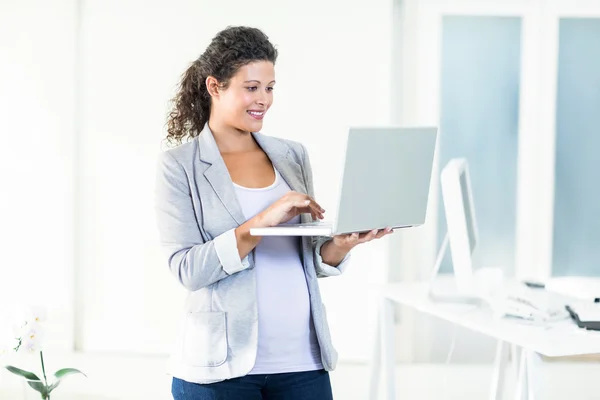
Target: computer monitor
column 462, row 234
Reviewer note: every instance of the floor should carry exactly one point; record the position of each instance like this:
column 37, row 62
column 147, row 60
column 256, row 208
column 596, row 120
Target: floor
column 133, row 378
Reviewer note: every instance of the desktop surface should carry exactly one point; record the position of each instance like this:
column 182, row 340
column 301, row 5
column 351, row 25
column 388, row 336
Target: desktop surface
column 551, row 339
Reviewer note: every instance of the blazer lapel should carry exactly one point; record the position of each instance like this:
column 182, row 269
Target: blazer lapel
column 291, row 172
column 218, row 175
column 220, row 180
column 280, row 155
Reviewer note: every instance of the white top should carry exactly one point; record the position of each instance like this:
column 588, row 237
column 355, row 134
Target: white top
column 286, row 336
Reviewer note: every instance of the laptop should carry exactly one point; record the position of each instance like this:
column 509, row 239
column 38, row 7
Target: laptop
column 385, row 183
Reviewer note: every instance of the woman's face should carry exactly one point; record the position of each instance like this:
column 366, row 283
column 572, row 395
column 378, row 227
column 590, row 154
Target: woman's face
column 244, row 103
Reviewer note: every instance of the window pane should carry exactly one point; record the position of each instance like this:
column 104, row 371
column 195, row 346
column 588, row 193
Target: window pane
column 577, row 195
column 479, row 121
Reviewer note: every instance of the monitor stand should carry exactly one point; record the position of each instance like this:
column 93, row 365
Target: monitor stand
column 450, row 290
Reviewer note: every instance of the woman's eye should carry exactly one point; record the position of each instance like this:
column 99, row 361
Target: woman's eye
column 270, row 88
column 252, row 88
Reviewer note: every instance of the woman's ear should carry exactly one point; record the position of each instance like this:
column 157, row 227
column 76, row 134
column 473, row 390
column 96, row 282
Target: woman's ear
column 212, row 85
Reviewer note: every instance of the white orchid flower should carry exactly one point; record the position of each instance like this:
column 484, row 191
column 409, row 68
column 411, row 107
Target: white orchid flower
column 37, row 314
column 32, row 338
column 27, row 329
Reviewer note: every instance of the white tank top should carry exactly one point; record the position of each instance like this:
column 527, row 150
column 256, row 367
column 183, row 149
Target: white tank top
column 286, row 335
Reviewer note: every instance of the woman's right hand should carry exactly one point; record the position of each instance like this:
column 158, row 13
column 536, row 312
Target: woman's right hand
column 289, row 206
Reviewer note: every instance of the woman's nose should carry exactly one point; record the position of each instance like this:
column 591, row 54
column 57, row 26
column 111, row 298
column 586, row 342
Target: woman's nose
column 262, row 100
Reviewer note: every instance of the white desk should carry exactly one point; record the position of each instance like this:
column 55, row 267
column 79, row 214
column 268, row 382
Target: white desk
column 562, row 338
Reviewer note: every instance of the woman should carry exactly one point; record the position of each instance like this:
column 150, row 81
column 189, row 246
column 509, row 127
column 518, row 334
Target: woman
column 254, row 325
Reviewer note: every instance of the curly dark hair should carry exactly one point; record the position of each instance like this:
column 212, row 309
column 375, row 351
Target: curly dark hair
column 229, row 50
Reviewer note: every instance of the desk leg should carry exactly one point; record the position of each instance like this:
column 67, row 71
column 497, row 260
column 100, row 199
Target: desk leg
column 522, row 386
column 375, row 369
column 515, row 358
column 533, row 361
column 526, row 388
column 388, row 352
column 500, row 361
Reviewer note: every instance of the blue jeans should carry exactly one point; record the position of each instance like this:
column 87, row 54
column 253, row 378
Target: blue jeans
column 309, row 385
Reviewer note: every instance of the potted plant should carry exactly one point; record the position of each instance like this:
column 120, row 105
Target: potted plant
column 28, row 339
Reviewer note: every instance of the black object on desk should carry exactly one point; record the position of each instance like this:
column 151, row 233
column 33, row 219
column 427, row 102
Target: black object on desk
column 534, row 285
column 591, row 325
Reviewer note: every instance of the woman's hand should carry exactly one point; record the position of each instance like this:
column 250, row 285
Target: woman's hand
column 334, row 251
column 349, row 241
column 287, row 207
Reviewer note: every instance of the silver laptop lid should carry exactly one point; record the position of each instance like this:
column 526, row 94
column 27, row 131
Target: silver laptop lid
column 387, row 173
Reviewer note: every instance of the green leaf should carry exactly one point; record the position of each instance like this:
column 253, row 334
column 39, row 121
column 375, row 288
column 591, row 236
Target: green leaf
column 25, row 374
column 40, row 387
column 53, row 386
column 32, row 380
column 62, row 373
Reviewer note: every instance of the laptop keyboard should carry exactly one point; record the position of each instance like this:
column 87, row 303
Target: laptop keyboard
column 311, row 224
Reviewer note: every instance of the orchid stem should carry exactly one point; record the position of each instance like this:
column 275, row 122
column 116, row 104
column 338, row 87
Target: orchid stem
column 44, row 372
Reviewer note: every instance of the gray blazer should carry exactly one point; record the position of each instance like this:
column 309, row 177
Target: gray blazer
column 197, row 213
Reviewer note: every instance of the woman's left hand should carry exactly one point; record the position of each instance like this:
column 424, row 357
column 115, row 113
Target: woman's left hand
column 334, row 251
column 349, row 241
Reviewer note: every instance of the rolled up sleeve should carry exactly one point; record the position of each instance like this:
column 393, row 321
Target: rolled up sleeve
column 195, row 262
column 227, row 251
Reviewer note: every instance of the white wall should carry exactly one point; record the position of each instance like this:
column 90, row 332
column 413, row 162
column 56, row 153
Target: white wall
column 89, row 129
column 84, row 87
column 80, row 136
column 36, row 160
column 334, row 71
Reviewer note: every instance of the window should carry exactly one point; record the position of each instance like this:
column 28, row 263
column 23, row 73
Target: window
column 577, row 194
column 479, row 121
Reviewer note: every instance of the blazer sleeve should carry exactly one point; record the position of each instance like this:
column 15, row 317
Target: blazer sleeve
column 323, row 269
column 196, row 263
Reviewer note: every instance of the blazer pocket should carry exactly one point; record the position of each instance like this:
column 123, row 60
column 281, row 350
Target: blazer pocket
column 205, row 339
